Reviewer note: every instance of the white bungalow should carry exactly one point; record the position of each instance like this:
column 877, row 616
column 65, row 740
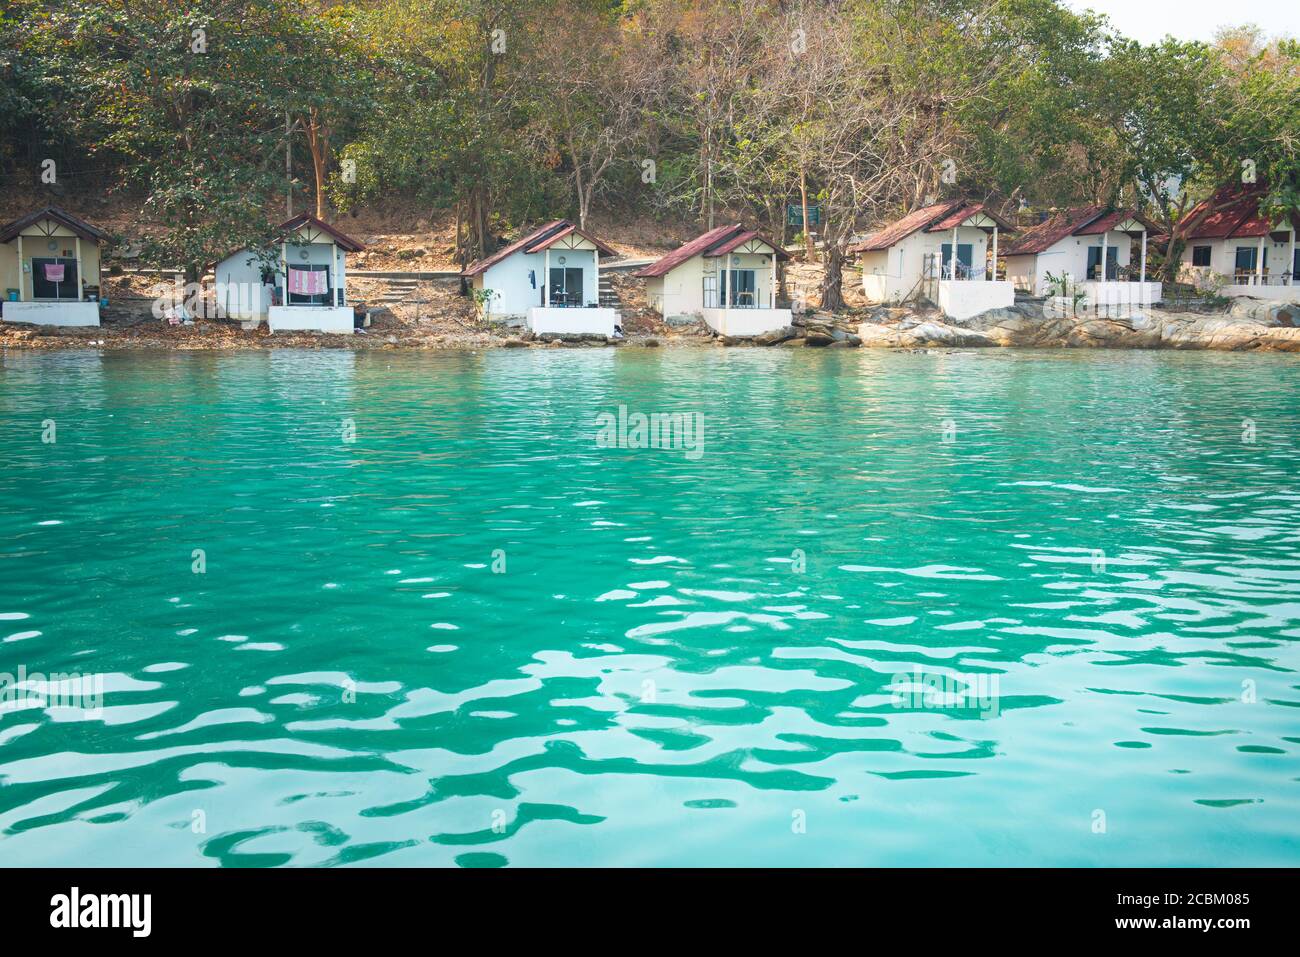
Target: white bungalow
column 49, row 269
column 549, row 279
column 914, row 256
column 727, row 277
column 1233, row 247
column 299, row 284
column 1073, row 244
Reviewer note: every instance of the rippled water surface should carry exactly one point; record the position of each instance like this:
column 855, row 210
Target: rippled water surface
column 472, row 636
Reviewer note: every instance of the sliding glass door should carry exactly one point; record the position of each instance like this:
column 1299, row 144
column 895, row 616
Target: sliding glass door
column 55, row 278
column 566, row 286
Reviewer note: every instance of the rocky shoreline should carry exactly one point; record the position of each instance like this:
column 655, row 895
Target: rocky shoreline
column 1245, row 325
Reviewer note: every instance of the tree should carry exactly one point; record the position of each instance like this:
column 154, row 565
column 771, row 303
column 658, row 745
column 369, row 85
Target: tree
column 327, row 78
column 183, row 100
column 591, row 93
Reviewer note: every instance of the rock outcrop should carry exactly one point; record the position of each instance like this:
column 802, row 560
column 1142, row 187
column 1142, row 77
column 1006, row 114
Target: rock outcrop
column 1245, row 325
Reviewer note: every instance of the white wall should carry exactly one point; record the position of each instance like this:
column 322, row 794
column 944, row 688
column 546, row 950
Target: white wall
column 337, row 319
column 963, row 299
column 572, row 321
column 679, row 293
column 512, row 292
column 63, row 313
column 319, row 254
column 1223, row 257
column 1133, row 295
column 239, row 293
column 238, row 278
column 892, row 274
column 1069, row 255
column 746, row 322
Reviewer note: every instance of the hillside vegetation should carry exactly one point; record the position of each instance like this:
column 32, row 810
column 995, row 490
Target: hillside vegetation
column 486, row 115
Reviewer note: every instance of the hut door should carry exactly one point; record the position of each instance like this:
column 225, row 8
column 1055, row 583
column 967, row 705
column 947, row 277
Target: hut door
column 965, row 256
column 55, row 278
column 566, row 286
column 1094, row 262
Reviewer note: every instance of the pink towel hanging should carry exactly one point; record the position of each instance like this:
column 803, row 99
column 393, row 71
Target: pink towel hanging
column 308, row 282
column 54, row 272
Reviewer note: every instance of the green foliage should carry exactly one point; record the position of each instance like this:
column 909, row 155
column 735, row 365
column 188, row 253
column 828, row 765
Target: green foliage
column 485, row 108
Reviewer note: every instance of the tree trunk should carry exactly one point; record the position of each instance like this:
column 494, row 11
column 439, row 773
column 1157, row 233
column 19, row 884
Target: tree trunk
column 832, row 280
column 1174, row 255
column 318, row 144
column 478, row 213
column 807, row 234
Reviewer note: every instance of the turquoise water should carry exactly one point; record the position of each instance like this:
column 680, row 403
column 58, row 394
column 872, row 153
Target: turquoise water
column 472, row 636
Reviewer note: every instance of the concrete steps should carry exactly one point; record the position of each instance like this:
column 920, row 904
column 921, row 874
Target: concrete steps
column 397, row 289
column 608, row 297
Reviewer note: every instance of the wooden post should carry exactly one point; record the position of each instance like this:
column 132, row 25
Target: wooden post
column 1259, row 263
column 77, row 254
column 1290, row 266
column 595, row 259
column 772, row 285
column 952, row 263
column 288, row 188
column 21, row 297
column 803, row 197
column 1143, row 277
column 994, row 277
column 726, row 301
column 1103, row 256
column 284, row 262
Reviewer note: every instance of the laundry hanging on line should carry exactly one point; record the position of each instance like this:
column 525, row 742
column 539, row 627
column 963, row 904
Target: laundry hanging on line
column 308, row 282
column 54, row 272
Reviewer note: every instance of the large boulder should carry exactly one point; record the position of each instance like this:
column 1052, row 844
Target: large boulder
column 775, row 336
column 1270, row 313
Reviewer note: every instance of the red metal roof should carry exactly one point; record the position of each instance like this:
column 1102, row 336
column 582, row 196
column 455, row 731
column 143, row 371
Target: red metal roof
column 1051, row 231
column 1237, row 214
column 716, row 242
column 1108, row 223
column 900, row 229
column 967, row 211
column 78, row 226
column 543, row 237
column 307, row 219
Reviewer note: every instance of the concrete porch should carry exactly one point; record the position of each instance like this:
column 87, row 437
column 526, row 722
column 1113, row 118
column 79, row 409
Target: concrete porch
column 66, row 312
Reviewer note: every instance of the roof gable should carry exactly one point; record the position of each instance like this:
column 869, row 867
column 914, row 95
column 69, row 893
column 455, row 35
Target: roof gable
column 1052, row 230
column 1237, row 215
column 900, row 229
column 716, row 242
column 964, row 214
column 1117, row 222
column 310, row 221
column 79, row 226
column 541, row 238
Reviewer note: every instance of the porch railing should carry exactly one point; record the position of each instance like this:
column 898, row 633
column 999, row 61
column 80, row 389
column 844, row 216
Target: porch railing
column 1121, row 274
column 1242, row 277
column 933, row 269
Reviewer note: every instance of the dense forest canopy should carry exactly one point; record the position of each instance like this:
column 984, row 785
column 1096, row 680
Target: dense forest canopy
column 691, row 109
